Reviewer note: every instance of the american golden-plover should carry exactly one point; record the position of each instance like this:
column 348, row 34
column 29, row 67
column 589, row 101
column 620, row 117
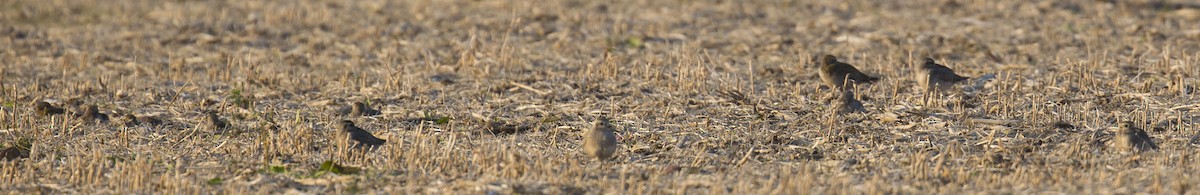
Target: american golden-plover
column 45, row 109
column 1132, row 139
column 848, row 104
column 938, row 77
column 838, row 74
column 92, row 114
column 360, row 109
column 600, row 141
column 215, row 121
column 131, row 120
column 362, row 137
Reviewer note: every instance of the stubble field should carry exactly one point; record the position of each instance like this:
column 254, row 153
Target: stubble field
column 709, row 97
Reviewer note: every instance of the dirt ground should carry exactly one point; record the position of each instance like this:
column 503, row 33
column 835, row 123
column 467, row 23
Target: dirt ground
column 483, row 96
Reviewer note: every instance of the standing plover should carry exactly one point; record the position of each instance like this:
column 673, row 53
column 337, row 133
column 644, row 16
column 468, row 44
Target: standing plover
column 935, row 76
column 1130, row 138
column 600, row 142
column 361, row 136
column 835, row 73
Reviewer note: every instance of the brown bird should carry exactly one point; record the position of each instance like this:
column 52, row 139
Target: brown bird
column 360, row 109
column 45, row 109
column 148, row 120
column 848, row 104
column 1130, row 138
column 131, row 120
column 216, row 121
column 13, row 153
column 937, row 77
column 835, row 73
column 90, row 113
column 361, row 136
column 600, row 142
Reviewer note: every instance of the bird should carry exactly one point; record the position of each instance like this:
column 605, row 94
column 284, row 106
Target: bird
column 848, row 104
column 835, row 73
column 935, row 76
column 131, row 120
column 600, row 142
column 149, row 120
column 45, row 109
column 91, row 113
column 1131, row 138
column 360, row 109
column 216, row 121
column 361, row 136
column 13, row 153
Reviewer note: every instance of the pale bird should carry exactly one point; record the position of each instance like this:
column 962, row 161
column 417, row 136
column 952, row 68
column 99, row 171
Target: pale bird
column 935, row 76
column 600, row 141
column 1130, row 138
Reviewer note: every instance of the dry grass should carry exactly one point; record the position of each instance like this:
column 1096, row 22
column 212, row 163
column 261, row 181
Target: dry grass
column 708, row 97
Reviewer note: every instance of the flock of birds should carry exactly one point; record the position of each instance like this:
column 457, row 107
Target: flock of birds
column 935, row 77
column 91, row 114
column 600, row 141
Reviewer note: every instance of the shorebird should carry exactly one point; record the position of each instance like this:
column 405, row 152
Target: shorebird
column 90, row 113
column 361, row 136
column 45, row 109
column 836, row 74
column 360, row 109
column 600, row 142
column 1130, row 138
column 937, row 77
column 13, row 153
column 131, row 120
column 848, row 104
column 216, row 121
